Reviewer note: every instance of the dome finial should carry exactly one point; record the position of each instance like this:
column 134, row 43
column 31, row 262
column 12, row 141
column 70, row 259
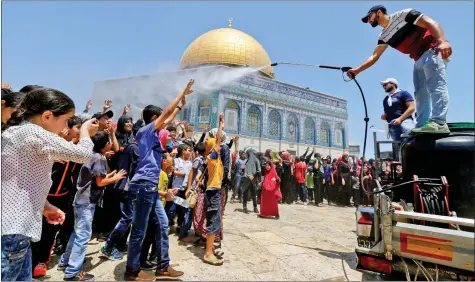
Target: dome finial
column 230, row 25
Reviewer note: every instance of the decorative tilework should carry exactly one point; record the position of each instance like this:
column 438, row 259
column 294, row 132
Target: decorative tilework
column 292, row 128
column 275, row 126
column 254, row 120
column 309, row 131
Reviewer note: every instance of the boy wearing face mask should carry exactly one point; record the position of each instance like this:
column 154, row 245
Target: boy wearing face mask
column 398, row 109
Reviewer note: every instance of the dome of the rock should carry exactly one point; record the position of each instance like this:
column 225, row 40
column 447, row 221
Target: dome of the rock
column 227, row 46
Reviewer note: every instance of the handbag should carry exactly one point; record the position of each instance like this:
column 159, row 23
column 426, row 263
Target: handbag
column 192, row 198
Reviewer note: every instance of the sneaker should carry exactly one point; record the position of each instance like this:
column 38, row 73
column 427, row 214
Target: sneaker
column 170, row 272
column 432, row 127
column 110, row 255
column 141, row 276
column 40, row 270
column 83, row 276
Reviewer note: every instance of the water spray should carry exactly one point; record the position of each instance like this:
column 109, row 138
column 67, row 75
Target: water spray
column 366, row 118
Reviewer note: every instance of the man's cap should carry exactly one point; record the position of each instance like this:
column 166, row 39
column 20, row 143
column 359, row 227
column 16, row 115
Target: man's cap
column 98, row 115
column 390, row 80
column 373, row 10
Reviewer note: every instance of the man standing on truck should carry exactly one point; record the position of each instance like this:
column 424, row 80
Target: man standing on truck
column 398, row 109
column 411, row 32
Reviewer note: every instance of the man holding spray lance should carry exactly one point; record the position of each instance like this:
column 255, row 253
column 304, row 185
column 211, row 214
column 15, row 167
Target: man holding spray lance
column 411, row 32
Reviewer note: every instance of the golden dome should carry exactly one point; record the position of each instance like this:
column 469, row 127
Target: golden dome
column 227, row 46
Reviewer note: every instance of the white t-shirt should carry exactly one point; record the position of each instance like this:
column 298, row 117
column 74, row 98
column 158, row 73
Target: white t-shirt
column 181, row 166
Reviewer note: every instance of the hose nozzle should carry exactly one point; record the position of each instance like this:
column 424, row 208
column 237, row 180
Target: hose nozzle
column 274, row 64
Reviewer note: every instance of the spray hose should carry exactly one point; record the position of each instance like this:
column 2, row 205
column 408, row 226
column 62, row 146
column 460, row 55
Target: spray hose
column 366, row 120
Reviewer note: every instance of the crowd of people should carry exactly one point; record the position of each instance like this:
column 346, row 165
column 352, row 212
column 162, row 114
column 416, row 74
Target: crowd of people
column 68, row 175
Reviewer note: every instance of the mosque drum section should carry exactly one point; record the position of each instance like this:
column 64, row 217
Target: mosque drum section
column 452, row 156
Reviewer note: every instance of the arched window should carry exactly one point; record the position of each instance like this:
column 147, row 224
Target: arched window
column 309, row 131
column 253, row 119
column 231, row 116
column 204, row 111
column 339, row 135
column 325, row 133
column 274, row 124
column 292, row 128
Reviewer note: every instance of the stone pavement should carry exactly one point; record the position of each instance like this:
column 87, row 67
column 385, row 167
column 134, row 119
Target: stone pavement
column 307, row 243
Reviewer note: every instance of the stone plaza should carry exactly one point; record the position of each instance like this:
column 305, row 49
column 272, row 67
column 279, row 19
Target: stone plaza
column 307, row 243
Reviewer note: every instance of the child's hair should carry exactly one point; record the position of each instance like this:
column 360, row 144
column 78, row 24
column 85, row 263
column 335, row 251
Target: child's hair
column 302, row 159
column 100, row 140
column 181, row 148
column 74, row 121
column 28, row 88
column 201, row 148
column 12, row 99
column 150, row 111
column 171, row 128
column 41, row 100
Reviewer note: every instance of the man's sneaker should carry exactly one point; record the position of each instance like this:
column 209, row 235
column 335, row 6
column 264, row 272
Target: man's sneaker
column 83, row 276
column 141, row 276
column 432, row 127
column 40, row 270
column 111, row 255
column 170, row 272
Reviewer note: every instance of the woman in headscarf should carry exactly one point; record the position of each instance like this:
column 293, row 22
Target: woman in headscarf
column 344, row 180
column 286, row 185
column 250, row 178
column 270, row 192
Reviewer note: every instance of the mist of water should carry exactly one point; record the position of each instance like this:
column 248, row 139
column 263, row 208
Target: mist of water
column 161, row 87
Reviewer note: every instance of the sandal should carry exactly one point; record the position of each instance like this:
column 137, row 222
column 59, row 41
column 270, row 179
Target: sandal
column 213, row 261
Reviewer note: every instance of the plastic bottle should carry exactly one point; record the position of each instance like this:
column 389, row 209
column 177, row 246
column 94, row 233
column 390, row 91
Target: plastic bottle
column 181, row 202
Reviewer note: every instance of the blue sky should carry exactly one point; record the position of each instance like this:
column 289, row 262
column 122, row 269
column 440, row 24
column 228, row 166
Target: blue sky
column 70, row 45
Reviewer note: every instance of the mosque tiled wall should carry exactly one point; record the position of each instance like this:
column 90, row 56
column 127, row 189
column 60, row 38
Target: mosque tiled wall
column 303, row 116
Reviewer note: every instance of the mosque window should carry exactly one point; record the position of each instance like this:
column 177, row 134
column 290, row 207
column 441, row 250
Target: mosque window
column 339, row 135
column 205, row 111
column 309, row 130
column 253, row 118
column 292, row 128
column 274, row 124
column 325, row 133
column 231, row 115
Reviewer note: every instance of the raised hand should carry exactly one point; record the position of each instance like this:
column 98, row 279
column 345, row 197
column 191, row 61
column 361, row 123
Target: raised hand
column 126, row 109
column 110, row 127
column 187, row 90
column 221, row 117
column 88, row 105
column 107, row 105
column 91, row 125
column 6, row 85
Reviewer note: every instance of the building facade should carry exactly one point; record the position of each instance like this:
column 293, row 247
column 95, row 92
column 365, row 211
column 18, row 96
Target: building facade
column 264, row 112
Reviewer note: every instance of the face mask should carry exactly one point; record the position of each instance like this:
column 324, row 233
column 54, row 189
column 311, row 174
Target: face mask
column 389, row 89
column 375, row 22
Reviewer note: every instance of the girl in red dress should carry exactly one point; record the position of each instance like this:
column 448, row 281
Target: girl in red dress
column 271, row 194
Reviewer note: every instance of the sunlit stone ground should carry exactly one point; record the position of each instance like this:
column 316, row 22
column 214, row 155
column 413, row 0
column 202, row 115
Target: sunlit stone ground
column 307, row 243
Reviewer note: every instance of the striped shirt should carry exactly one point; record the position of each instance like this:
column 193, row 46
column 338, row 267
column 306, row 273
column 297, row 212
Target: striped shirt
column 404, row 35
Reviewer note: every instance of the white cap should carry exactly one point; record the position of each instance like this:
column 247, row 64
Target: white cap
column 389, row 80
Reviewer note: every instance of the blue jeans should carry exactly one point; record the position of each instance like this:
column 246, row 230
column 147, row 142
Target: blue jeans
column 119, row 234
column 147, row 205
column 16, row 258
column 301, row 190
column 404, row 128
column 430, row 85
column 75, row 252
column 177, row 210
column 213, row 211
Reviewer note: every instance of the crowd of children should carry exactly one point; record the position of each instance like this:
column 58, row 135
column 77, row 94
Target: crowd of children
column 67, row 175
